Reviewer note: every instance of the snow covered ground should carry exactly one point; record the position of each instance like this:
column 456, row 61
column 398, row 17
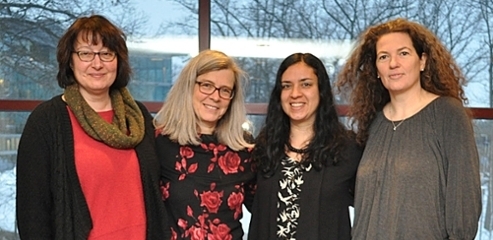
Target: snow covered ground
column 7, row 200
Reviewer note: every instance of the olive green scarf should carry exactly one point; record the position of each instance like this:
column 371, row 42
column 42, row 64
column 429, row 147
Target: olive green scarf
column 127, row 128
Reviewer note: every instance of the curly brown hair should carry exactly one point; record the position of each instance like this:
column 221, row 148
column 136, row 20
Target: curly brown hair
column 367, row 95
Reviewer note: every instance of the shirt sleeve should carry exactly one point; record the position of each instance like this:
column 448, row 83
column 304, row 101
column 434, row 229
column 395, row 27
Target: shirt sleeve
column 463, row 190
column 34, row 201
column 251, row 185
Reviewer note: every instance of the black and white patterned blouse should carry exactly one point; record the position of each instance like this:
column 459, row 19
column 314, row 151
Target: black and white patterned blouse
column 288, row 197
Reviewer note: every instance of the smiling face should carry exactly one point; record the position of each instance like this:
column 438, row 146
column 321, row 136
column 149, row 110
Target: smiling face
column 94, row 77
column 398, row 63
column 300, row 94
column 209, row 108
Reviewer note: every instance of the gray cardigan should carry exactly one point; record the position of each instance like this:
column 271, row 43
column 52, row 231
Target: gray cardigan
column 50, row 202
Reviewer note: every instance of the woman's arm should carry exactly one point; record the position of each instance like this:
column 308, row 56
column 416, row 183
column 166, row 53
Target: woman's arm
column 463, row 190
column 34, row 200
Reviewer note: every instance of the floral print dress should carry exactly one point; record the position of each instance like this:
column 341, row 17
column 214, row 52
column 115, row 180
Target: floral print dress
column 204, row 188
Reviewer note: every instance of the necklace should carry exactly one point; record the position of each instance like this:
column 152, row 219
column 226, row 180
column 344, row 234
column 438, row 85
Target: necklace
column 296, row 150
column 396, row 126
column 393, row 123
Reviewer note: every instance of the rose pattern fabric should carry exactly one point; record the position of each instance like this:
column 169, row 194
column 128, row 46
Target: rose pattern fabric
column 211, row 199
column 215, row 150
column 164, row 190
column 235, row 201
column 230, row 163
column 204, row 188
column 220, row 232
column 185, row 152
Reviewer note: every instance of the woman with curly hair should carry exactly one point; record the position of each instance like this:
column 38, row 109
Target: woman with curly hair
column 306, row 159
column 419, row 174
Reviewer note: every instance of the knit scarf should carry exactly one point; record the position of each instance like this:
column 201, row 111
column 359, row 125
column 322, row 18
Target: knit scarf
column 127, row 128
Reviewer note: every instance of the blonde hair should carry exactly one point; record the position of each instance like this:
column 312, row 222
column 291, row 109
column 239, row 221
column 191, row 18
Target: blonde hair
column 177, row 117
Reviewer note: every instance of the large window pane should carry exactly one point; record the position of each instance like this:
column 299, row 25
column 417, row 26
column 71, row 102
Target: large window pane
column 11, row 125
column 484, row 140
column 261, row 32
column 162, row 36
column 29, row 32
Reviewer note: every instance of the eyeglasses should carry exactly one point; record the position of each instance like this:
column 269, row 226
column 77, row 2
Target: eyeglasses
column 87, row 56
column 209, row 88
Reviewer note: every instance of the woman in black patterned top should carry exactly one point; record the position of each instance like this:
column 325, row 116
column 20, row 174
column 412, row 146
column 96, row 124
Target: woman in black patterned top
column 306, row 159
column 206, row 169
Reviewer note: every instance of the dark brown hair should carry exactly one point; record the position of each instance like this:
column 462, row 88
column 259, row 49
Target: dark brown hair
column 93, row 29
column 330, row 137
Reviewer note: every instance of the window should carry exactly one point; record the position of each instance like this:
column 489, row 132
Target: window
column 163, row 35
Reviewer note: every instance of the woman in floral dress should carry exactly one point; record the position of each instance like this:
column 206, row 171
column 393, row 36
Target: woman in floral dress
column 206, row 169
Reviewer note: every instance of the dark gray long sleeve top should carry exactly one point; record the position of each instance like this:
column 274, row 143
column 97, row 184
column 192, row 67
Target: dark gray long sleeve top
column 420, row 181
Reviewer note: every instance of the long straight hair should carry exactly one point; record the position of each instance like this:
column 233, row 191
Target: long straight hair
column 177, row 117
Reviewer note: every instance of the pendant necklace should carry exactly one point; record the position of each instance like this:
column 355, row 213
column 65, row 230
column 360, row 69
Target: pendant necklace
column 396, row 126
column 296, row 150
column 393, row 123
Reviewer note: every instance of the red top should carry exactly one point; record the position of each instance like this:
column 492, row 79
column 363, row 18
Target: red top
column 112, row 186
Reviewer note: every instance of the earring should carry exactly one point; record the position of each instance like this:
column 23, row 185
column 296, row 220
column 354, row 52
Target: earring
column 378, row 76
column 422, row 69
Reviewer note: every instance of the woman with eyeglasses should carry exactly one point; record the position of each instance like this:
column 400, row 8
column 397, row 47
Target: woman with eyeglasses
column 206, row 170
column 86, row 163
